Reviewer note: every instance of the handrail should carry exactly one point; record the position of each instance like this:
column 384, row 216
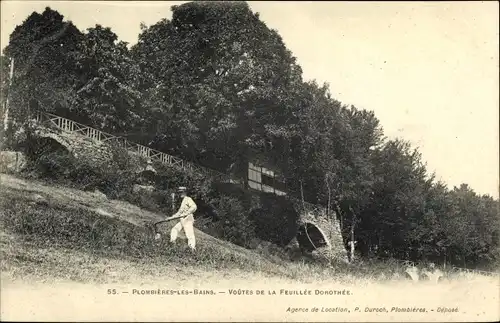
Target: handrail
column 92, row 133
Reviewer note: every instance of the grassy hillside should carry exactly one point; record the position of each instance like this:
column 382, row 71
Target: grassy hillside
column 55, row 233
column 82, row 240
column 50, row 232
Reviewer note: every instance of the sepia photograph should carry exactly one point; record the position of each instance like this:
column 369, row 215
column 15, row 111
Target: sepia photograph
column 249, row 161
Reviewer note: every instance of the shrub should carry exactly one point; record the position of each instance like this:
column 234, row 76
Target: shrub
column 84, row 176
column 117, row 177
column 233, row 223
column 276, row 221
column 170, row 178
column 55, row 165
column 47, row 158
column 156, row 201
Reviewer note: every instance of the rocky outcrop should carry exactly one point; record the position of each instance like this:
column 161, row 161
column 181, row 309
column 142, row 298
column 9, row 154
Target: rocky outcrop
column 12, row 162
column 99, row 195
column 142, row 188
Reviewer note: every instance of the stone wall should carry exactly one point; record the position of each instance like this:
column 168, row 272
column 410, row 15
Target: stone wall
column 91, row 150
column 328, row 225
column 12, row 162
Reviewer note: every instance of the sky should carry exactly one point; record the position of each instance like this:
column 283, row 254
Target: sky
column 429, row 70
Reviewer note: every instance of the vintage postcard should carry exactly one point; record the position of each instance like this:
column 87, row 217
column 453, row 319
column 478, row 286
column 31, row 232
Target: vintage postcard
column 209, row 161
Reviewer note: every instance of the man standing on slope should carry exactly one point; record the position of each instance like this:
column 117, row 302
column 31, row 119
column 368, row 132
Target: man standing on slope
column 186, row 210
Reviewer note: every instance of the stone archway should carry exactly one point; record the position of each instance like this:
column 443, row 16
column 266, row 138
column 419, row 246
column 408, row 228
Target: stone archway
column 310, row 237
column 52, row 140
column 48, row 145
column 49, row 156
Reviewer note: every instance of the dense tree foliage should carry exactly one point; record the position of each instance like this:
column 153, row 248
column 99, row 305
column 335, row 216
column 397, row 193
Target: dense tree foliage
column 216, row 80
column 216, row 86
column 105, row 91
column 43, row 49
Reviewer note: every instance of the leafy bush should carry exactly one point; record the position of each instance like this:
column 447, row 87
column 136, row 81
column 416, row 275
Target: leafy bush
column 55, row 165
column 276, row 221
column 47, row 158
column 117, row 177
column 233, row 222
column 156, row 201
column 85, row 176
column 170, row 178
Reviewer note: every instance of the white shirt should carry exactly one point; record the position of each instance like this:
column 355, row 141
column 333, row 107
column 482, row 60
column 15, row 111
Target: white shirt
column 187, row 207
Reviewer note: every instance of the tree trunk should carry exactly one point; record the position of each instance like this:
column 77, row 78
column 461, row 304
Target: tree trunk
column 353, row 241
column 302, row 195
column 329, row 196
column 173, row 202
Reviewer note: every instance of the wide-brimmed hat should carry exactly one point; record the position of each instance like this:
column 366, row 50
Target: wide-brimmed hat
column 181, row 189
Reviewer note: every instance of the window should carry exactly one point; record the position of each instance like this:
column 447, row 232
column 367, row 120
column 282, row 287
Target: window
column 267, row 180
column 267, row 172
column 267, row 189
column 279, row 185
column 255, row 186
column 263, row 179
column 254, row 175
